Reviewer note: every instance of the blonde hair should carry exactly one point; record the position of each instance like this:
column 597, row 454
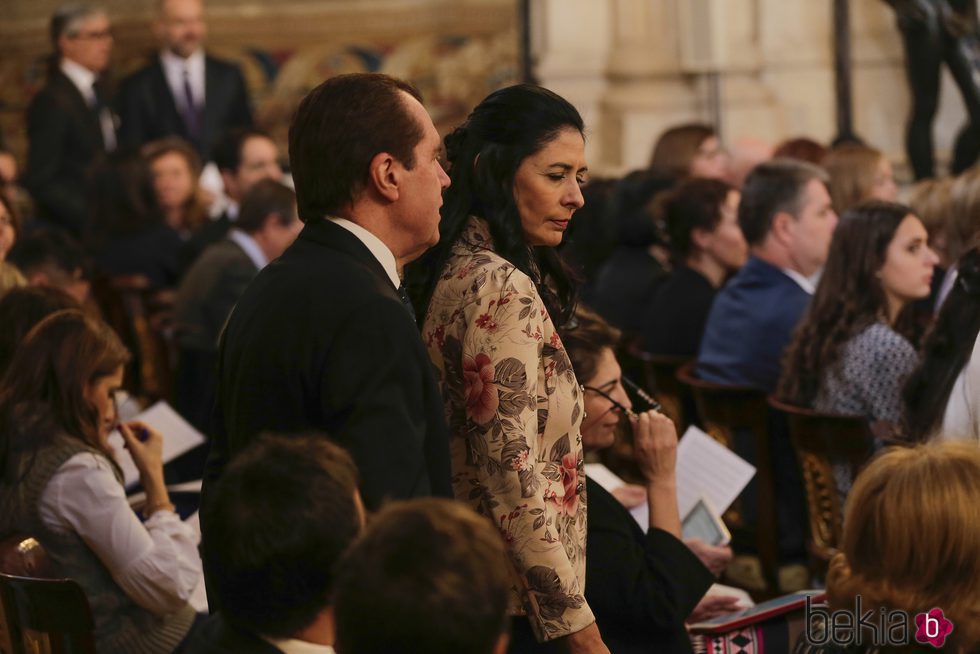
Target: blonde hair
column 911, row 537
column 852, row 170
column 963, row 222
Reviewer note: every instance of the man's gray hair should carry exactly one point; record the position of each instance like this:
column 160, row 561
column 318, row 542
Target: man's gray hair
column 68, row 18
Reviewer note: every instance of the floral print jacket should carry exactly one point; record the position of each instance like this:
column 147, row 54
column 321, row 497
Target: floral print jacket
column 514, row 410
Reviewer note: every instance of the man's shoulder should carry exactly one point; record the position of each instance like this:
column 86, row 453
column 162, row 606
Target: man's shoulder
column 151, row 66
column 220, row 65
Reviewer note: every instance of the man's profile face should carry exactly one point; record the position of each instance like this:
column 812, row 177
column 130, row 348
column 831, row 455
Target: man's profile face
column 259, row 160
column 180, row 25
column 812, row 229
column 89, row 44
column 425, row 182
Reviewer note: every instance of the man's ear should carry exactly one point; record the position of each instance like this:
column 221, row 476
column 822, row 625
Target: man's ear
column 383, row 176
column 782, row 227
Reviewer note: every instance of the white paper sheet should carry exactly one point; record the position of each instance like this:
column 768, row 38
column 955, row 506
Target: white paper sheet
column 707, row 468
column 178, row 437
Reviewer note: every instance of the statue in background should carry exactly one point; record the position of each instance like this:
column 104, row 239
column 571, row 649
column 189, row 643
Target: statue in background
column 933, row 32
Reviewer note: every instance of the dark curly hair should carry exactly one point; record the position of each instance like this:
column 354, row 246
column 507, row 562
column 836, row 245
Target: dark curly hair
column 484, row 154
column 945, row 351
column 848, row 299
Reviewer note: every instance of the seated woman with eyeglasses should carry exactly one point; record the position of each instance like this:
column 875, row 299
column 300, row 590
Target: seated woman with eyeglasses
column 641, row 586
column 60, row 483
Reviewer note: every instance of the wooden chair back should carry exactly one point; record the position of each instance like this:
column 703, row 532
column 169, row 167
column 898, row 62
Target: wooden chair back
column 825, row 442
column 40, row 615
column 738, row 416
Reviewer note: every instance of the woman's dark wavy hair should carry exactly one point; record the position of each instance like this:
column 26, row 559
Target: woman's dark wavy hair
column 848, row 299
column 42, row 393
column 945, row 351
column 484, row 154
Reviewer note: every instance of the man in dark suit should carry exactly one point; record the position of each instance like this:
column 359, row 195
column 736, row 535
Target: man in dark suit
column 183, row 91
column 786, row 217
column 266, row 226
column 68, row 123
column 243, row 156
column 324, row 338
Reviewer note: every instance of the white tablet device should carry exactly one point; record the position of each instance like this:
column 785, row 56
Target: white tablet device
column 702, row 522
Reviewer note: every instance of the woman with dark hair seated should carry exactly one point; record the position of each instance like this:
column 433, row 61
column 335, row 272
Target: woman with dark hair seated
column 641, row 586
column 21, row 309
column 702, row 219
column 852, row 352
column 942, row 396
column 60, row 483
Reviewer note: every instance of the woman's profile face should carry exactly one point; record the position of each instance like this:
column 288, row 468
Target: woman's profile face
column 710, row 160
column 907, row 272
column 547, row 188
column 173, row 180
column 601, row 417
column 726, row 243
column 100, row 394
column 883, row 187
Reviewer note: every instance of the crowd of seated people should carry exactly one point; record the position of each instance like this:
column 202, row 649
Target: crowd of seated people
column 314, row 314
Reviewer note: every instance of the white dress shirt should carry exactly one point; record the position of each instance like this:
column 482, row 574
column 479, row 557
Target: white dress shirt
column 961, row 420
column 375, row 245
column 155, row 563
column 251, row 248
column 174, row 68
column 803, row 281
column 84, row 81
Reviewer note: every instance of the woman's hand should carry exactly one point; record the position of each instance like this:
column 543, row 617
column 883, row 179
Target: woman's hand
column 655, row 445
column 630, row 495
column 711, row 606
column 145, row 445
column 714, row 557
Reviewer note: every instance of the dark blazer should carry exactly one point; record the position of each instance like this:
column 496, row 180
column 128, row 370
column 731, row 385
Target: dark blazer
column 204, row 236
column 322, row 341
column 205, row 299
column 151, row 252
column 675, row 317
column 148, row 111
column 624, row 287
column 216, row 636
column 641, row 587
column 65, row 139
column 749, row 326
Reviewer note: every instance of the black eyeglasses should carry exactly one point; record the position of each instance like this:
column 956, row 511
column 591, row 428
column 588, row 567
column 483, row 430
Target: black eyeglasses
column 653, row 405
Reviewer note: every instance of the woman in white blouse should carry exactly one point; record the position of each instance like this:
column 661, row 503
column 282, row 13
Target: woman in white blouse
column 61, row 485
column 943, row 394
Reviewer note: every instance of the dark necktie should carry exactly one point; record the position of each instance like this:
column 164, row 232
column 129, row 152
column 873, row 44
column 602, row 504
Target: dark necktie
column 403, row 294
column 191, row 117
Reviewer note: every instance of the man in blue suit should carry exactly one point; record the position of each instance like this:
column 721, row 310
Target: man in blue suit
column 787, row 219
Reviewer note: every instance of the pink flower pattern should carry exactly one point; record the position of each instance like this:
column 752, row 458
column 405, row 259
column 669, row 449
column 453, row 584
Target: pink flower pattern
column 481, row 393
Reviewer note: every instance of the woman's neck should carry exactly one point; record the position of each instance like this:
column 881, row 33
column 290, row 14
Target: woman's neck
column 708, row 266
column 174, row 217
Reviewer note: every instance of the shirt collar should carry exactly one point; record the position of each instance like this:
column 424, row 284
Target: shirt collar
column 80, row 76
column 375, row 245
column 251, row 248
column 804, row 282
column 175, row 62
column 294, row 646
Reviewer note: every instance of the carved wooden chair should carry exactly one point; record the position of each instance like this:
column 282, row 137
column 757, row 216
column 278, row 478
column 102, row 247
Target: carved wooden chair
column 738, row 418
column 824, row 442
column 40, row 615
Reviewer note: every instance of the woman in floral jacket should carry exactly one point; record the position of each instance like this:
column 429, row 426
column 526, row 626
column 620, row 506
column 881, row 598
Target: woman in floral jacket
column 492, row 293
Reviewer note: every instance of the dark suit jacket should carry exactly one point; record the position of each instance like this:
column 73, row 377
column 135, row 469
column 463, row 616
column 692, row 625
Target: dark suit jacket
column 749, row 326
column 641, row 587
column 204, row 236
column 65, row 139
column 624, row 287
column 676, row 315
column 322, row 341
column 216, row 636
column 205, row 299
column 148, row 111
